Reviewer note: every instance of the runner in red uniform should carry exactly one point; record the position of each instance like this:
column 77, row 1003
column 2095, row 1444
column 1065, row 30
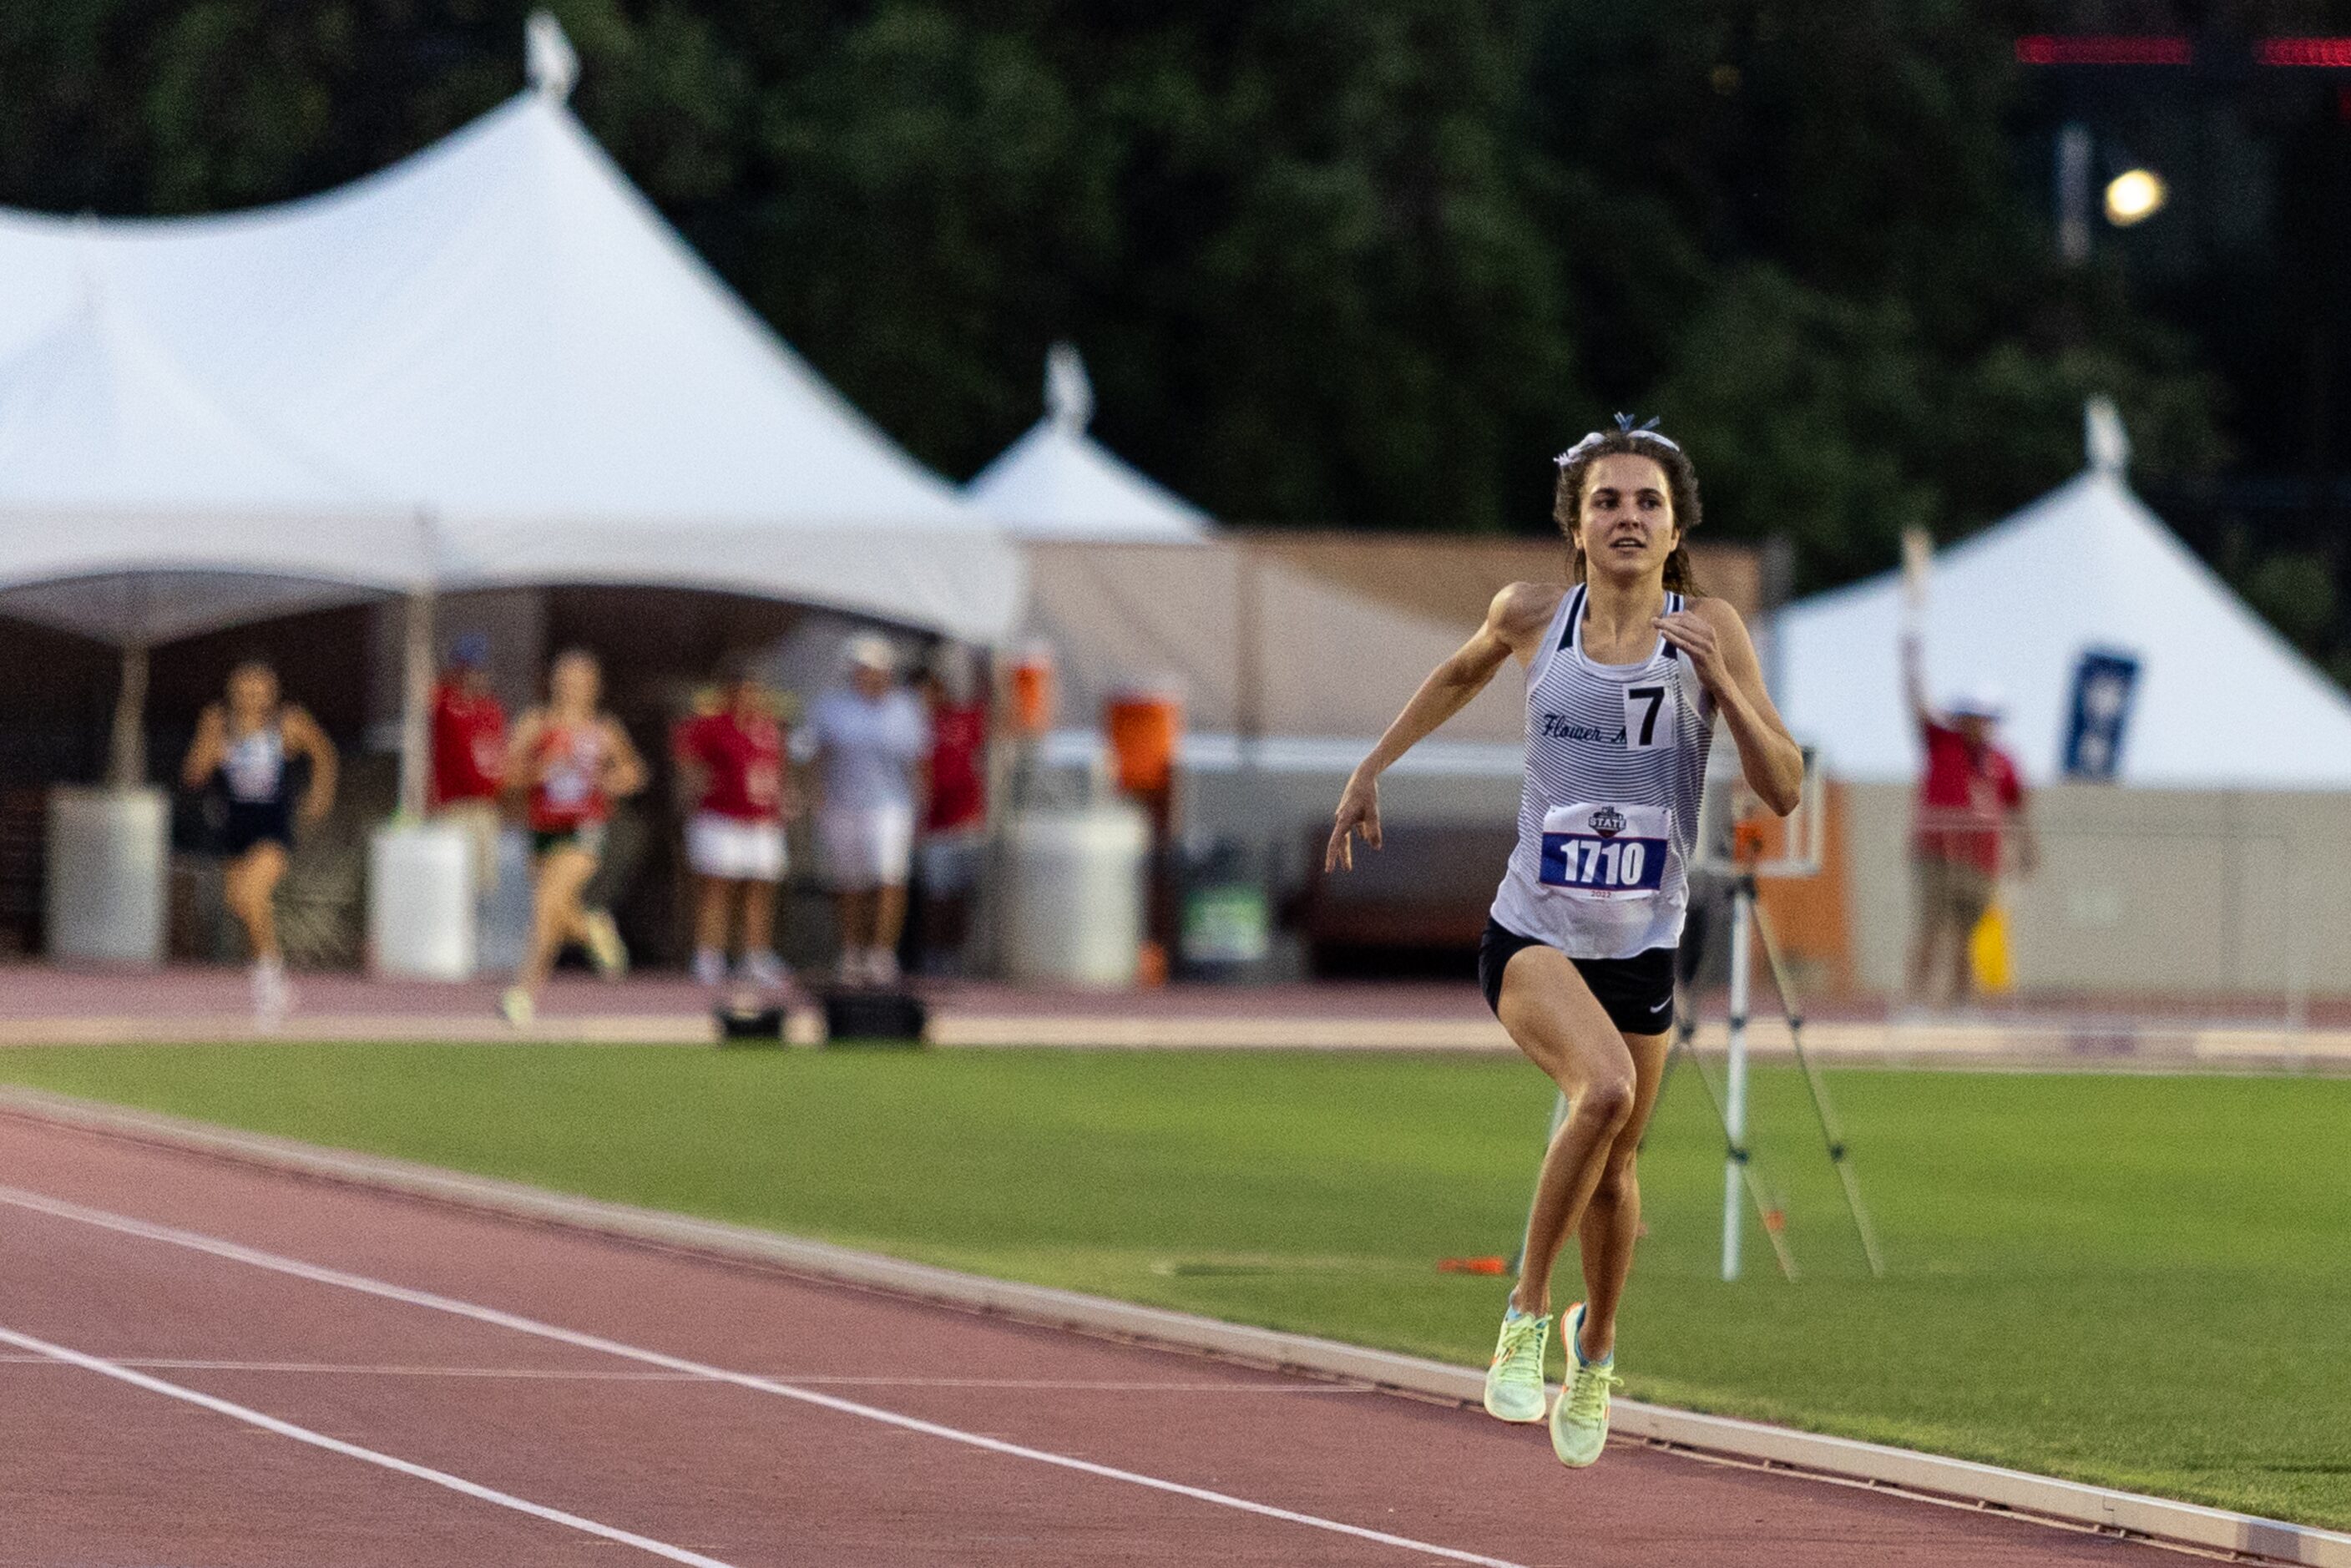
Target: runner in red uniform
column 573, row 759
column 734, row 758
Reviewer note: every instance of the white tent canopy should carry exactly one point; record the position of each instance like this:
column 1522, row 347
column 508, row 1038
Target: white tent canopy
column 502, row 336
column 135, row 509
column 1059, row 483
column 2222, row 701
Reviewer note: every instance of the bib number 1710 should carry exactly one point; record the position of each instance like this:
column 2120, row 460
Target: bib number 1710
column 1602, row 864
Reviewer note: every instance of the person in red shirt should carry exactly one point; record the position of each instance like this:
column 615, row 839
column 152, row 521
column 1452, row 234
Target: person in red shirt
column 732, row 760
column 571, row 758
column 1970, row 822
column 955, row 825
column 469, row 756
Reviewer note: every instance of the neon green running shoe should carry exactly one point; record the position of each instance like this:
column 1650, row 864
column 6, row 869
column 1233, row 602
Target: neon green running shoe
column 1514, row 1382
column 1579, row 1422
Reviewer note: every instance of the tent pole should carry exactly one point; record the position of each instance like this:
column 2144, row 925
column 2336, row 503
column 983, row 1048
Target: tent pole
column 1250, row 664
column 127, row 759
column 416, row 703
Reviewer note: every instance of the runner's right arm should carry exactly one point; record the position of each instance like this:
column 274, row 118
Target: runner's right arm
column 206, row 752
column 522, row 746
column 1515, row 623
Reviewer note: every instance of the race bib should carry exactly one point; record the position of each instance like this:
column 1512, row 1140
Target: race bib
column 1650, row 722
column 569, row 778
column 1603, row 852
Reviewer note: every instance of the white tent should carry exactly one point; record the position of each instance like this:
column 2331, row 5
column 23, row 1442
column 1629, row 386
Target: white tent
column 1059, row 483
column 1255, row 645
column 502, row 336
column 135, row 507
column 2222, row 701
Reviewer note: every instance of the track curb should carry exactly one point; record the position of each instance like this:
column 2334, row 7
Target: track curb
column 1840, row 1458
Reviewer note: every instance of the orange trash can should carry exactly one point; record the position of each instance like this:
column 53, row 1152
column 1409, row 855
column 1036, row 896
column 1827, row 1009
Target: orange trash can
column 1033, row 692
column 1145, row 729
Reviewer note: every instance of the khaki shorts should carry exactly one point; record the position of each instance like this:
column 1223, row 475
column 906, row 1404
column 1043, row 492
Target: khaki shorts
column 1951, row 890
column 865, row 847
column 480, row 823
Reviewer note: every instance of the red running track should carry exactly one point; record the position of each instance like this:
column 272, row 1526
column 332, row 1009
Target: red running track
column 491, row 1390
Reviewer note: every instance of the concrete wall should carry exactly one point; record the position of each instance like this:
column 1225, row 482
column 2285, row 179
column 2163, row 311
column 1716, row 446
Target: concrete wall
column 1279, row 812
column 2153, row 892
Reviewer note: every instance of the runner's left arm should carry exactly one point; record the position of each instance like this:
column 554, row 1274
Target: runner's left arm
column 303, row 734
column 624, row 770
column 1711, row 632
column 1514, row 625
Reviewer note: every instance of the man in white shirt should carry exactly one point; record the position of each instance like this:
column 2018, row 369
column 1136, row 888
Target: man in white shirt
column 871, row 743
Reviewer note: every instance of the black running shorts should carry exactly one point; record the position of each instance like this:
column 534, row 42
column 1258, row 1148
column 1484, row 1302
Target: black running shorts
column 252, row 823
column 1636, row 993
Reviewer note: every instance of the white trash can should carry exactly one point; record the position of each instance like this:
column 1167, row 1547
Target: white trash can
column 420, row 903
column 1073, row 887
column 109, row 855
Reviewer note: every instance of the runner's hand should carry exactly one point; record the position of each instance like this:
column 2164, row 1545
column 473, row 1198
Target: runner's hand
column 1359, row 812
column 314, row 806
column 1691, row 632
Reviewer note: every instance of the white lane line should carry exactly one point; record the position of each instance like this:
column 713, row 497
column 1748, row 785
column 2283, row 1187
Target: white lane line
column 58, row 1353
column 196, row 1241
column 585, row 1374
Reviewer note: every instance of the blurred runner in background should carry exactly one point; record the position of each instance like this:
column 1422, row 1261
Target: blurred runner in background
column 469, row 756
column 871, row 744
column 573, row 758
column 245, row 745
column 732, row 762
column 1970, row 808
column 954, row 829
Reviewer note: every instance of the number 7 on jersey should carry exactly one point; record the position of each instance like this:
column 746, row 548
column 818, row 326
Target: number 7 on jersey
column 1646, row 726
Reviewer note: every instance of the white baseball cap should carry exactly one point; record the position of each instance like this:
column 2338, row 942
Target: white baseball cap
column 1979, row 702
column 872, row 651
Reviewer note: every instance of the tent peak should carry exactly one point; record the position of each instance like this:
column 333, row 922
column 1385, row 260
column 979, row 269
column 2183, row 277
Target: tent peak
column 2105, row 442
column 1069, row 392
column 550, row 61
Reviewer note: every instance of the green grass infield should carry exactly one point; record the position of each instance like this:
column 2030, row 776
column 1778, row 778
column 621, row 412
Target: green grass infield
column 2141, row 1281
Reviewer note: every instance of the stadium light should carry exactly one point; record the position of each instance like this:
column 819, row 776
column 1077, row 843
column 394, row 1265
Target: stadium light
column 2134, row 196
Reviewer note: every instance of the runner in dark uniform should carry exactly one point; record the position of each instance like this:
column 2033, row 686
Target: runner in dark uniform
column 245, row 744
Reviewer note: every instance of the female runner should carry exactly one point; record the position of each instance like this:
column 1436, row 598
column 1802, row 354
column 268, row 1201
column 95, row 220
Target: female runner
column 248, row 741
column 575, row 760
column 1628, row 670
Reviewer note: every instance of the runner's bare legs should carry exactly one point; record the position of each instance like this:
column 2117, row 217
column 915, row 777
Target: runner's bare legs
column 556, row 916
column 1611, row 1220
column 249, row 888
column 1611, row 1086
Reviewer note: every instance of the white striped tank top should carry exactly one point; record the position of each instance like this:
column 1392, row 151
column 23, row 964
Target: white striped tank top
column 1608, row 819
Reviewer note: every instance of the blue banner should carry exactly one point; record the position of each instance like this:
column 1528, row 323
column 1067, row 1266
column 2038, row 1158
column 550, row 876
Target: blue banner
column 2105, row 682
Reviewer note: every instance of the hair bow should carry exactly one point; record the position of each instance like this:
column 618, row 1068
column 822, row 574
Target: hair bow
column 1624, row 427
